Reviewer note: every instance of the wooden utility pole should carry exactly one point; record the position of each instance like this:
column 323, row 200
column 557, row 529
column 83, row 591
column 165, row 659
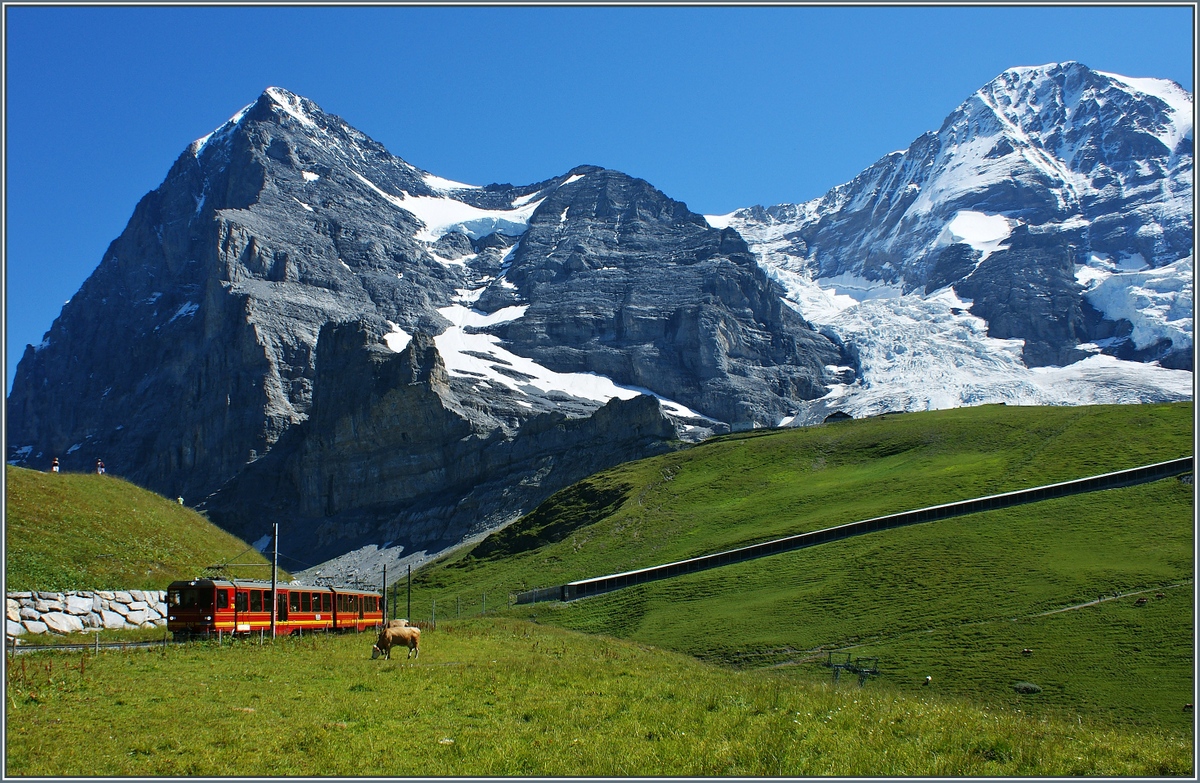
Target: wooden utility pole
column 384, row 591
column 274, row 578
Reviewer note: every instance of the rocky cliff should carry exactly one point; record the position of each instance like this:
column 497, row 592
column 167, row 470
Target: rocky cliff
column 299, row 325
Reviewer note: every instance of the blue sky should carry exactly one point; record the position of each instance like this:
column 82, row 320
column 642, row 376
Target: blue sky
column 718, row 107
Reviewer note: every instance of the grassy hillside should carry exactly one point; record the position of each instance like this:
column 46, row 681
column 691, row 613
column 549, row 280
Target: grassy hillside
column 75, row 531
column 498, row 697
column 957, row 599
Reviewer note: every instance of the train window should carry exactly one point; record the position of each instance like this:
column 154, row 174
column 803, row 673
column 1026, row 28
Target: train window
column 222, row 599
column 326, row 602
column 190, row 598
column 241, row 601
column 294, row 601
column 306, row 602
column 371, row 603
column 256, row 601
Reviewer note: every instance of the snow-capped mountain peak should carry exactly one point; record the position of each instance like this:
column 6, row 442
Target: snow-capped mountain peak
column 1056, row 201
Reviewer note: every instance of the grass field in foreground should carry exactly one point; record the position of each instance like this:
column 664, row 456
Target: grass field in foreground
column 957, row 599
column 505, row 697
column 79, row 531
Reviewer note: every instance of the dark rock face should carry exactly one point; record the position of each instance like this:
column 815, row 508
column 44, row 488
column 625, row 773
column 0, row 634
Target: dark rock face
column 389, row 455
column 230, row 345
column 1029, row 291
column 627, row 283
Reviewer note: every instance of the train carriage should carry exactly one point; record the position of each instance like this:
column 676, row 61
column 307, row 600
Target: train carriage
column 203, row 607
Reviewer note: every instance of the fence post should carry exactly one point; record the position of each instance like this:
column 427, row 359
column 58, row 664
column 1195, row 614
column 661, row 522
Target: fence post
column 433, row 619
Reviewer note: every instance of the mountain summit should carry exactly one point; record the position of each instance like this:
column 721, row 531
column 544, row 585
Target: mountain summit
column 1048, row 221
column 298, row 325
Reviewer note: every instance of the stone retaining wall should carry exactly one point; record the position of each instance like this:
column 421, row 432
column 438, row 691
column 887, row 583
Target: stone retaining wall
column 84, row 611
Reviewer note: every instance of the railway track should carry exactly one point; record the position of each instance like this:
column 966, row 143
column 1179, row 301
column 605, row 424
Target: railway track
column 21, row 649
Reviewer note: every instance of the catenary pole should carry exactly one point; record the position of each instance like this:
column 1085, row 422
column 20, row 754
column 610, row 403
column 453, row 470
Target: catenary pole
column 409, row 614
column 274, row 578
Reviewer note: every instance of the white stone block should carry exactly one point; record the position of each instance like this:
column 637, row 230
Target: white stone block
column 122, row 596
column 112, row 620
column 49, row 596
column 29, row 613
column 78, row 605
column 92, row 621
column 62, row 623
column 43, row 606
column 13, row 629
column 136, row 595
column 14, row 611
column 138, row 606
column 107, row 595
column 135, row 618
column 119, row 608
column 35, row 626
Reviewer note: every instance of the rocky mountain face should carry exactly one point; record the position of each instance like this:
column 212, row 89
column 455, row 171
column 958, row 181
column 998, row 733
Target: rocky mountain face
column 298, row 325
column 1037, row 190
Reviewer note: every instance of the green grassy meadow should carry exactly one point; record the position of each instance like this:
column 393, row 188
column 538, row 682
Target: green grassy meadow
column 81, row 531
column 718, row 673
column 504, row 697
column 956, row 599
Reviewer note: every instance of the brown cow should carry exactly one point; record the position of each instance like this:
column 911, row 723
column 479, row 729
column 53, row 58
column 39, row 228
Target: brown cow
column 388, row 637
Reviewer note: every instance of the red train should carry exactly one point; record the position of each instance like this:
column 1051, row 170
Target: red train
column 208, row 606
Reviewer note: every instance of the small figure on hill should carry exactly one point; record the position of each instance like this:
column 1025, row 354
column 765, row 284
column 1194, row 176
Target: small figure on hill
column 100, row 467
column 180, row 499
column 928, row 679
column 54, row 465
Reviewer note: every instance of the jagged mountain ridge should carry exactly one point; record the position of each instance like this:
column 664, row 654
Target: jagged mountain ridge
column 198, row 350
column 191, row 359
column 1049, row 220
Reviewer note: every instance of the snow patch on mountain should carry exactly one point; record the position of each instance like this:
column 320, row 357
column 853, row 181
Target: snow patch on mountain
column 982, row 232
column 197, row 146
column 441, row 215
column 397, row 339
column 918, row 353
column 443, row 185
column 474, row 354
column 1158, row 302
column 1177, row 99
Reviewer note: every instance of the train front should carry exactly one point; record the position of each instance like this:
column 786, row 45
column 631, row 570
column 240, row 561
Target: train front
column 191, row 608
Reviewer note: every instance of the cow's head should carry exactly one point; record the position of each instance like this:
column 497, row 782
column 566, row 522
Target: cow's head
column 374, row 651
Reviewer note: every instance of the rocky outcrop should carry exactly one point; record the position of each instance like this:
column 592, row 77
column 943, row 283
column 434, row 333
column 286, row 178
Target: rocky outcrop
column 390, row 456
column 627, row 283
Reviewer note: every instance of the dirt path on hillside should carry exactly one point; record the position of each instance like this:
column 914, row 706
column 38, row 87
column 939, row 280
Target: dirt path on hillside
column 819, row 653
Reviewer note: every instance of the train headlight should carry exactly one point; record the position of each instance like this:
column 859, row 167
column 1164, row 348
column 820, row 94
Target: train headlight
column 207, row 618
column 172, row 617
